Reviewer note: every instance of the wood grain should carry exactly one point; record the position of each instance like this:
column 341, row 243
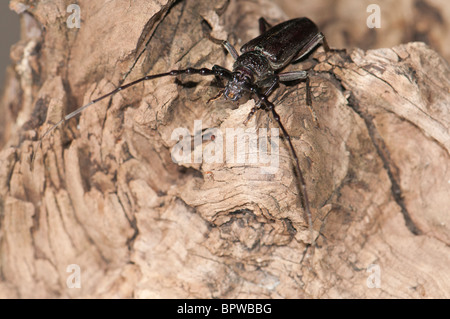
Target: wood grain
column 105, row 194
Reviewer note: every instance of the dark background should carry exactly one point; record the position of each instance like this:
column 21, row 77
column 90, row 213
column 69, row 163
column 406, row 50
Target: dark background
column 9, row 34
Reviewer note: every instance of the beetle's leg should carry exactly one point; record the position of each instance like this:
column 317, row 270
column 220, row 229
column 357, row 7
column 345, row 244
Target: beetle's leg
column 263, row 25
column 301, row 75
column 325, row 45
column 309, row 103
column 327, row 48
column 216, row 97
column 271, row 83
column 319, row 38
column 220, row 73
column 285, row 77
column 298, row 75
column 292, row 76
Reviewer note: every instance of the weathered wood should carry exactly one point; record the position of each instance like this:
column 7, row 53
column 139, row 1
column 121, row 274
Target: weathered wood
column 105, row 194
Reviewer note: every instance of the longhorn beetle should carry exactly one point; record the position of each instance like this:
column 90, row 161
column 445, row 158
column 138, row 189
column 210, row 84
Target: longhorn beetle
column 255, row 71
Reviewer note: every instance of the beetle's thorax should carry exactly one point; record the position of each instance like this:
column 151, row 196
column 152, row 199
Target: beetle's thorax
column 249, row 68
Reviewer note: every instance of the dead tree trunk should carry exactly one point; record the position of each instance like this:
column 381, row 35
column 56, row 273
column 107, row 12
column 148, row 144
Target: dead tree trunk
column 106, row 196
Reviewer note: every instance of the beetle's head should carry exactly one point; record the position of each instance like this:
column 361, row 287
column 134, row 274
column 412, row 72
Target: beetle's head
column 237, row 85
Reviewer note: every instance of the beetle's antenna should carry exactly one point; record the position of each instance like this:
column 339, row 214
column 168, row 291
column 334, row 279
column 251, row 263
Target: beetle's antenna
column 302, row 184
column 216, row 70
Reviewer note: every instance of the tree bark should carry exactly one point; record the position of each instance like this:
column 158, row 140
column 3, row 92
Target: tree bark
column 104, row 193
